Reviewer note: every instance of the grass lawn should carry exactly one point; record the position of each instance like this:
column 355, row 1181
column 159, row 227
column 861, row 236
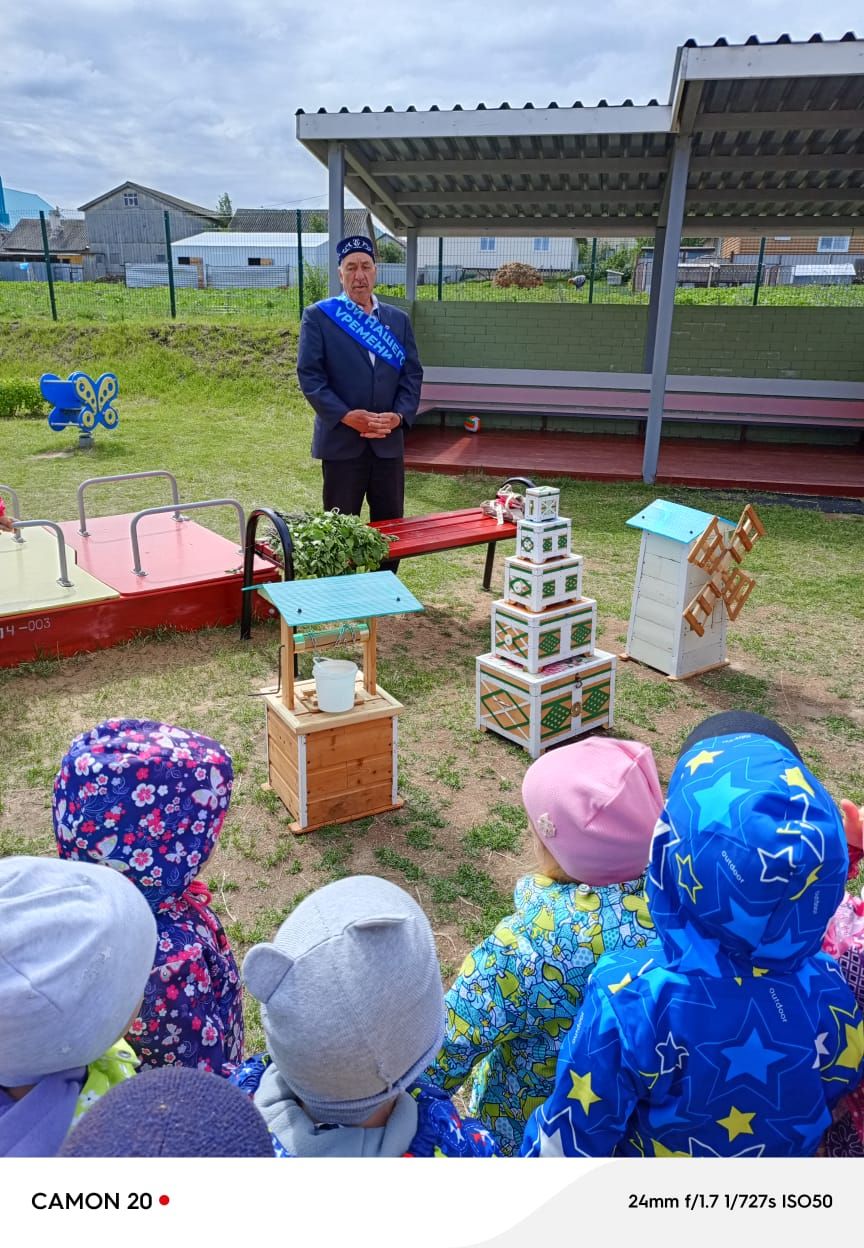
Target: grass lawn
column 220, row 408
column 98, row 302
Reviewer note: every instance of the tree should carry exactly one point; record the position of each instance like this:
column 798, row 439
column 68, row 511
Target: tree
column 390, row 252
column 317, row 224
column 224, row 209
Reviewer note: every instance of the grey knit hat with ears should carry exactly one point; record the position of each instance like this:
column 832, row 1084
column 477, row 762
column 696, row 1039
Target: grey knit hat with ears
column 352, row 1003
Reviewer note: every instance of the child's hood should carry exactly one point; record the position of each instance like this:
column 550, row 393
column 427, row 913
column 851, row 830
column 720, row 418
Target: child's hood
column 748, row 857
column 146, row 798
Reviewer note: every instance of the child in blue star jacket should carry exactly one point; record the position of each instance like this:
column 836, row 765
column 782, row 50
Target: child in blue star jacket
column 592, row 806
column 735, row 1036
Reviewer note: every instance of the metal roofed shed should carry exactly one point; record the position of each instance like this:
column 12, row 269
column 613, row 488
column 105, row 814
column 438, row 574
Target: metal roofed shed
column 755, row 138
column 823, row 274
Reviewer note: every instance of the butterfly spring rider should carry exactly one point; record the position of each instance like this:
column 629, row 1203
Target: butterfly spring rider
column 81, row 401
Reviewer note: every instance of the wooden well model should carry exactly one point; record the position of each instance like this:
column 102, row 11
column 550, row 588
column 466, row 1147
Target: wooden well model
column 333, row 767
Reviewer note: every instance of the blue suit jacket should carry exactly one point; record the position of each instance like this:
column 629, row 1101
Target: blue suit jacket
column 336, row 376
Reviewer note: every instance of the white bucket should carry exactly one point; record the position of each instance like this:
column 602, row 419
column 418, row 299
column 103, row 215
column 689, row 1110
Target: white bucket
column 334, row 683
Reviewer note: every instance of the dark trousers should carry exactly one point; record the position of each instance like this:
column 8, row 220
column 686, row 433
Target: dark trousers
column 381, row 482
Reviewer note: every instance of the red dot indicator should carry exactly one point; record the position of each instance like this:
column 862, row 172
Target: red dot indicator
column 164, row 1200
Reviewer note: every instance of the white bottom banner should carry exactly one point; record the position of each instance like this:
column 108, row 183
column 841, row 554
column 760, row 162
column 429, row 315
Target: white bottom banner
column 427, row 1204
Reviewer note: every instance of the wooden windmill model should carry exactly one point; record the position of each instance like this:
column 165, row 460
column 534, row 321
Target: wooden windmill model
column 720, row 556
column 689, row 583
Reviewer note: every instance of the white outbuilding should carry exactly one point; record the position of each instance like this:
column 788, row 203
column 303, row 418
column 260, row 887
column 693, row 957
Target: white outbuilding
column 235, row 258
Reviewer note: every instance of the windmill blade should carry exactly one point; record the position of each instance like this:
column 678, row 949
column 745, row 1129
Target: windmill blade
column 710, row 551
column 737, row 588
column 702, row 607
column 747, row 532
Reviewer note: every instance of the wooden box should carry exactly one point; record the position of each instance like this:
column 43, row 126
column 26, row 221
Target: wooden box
column 537, row 710
column 534, row 710
column 333, row 768
column 536, row 639
column 539, row 542
column 597, row 678
column 541, row 503
column 537, row 586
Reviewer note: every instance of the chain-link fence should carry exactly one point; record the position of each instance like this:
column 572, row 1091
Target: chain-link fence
column 155, row 265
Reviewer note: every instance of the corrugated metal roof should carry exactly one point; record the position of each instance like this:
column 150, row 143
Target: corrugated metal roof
column 22, row 204
column 284, row 220
column 63, row 236
column 240, row 238
column 777, row 135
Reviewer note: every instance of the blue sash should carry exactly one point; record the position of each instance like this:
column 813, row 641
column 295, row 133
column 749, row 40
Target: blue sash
column 367, row 331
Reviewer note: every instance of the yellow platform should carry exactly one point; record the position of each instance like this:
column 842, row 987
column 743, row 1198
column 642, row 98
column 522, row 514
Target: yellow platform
column 29, row 573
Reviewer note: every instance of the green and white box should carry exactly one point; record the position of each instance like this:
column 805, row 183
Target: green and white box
column 540, row 542
column 534, row 639
column 541, row 503
column 539, row 709
column 534, row 710
column 541, row 585
column 597, row 689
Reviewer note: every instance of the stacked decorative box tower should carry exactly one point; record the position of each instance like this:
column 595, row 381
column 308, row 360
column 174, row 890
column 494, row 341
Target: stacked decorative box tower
column 543, row 681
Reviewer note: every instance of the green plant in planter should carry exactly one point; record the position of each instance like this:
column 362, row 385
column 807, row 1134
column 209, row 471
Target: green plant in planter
column 328, row 543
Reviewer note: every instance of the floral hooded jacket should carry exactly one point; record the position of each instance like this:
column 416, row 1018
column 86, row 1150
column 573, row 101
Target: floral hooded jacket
column 149, row 800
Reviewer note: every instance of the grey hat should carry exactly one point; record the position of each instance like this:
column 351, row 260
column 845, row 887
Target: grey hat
column 353, row 1007
column 77, row 944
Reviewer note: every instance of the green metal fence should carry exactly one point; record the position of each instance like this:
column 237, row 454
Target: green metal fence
column 120, row 270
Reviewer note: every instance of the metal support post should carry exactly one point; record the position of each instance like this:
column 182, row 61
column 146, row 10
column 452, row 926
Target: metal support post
column 666, row 306
column 301, row 302
column 335, row 208
column 48, row 271
column 759, row 263
column 654, row 297
column 411, row 266
column 172, row 294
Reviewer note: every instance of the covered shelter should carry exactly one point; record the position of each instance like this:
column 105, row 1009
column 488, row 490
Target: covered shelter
column 754, row 139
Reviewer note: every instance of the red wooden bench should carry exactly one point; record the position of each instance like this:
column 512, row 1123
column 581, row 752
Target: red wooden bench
column 446, row 530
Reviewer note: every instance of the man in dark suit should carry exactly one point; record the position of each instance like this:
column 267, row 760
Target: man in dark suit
column 358, row 367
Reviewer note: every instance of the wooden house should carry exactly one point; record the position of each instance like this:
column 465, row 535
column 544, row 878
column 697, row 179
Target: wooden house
column 127, row 224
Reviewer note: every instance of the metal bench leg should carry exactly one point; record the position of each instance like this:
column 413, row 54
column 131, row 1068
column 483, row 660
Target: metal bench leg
column 487, row 571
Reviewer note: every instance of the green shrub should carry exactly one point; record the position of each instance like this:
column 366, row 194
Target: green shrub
column 328, row 543
column 21, row 398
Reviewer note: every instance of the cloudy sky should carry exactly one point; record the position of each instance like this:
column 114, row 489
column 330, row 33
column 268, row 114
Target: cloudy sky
column 197, row 97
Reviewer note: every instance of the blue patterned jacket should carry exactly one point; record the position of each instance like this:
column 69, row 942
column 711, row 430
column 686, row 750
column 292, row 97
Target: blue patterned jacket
column 735, row 1036
column 517, row 994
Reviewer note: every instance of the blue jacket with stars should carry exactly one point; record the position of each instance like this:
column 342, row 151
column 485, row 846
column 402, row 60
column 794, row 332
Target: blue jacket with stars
column 735, row 1035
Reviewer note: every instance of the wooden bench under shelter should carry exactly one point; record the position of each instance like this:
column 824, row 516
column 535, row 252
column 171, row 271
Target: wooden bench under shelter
column 625, row 396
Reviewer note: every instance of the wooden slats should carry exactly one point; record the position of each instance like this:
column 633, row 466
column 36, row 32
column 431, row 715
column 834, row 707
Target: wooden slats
column 423, row 535
column 633, row 404
column 787, row 468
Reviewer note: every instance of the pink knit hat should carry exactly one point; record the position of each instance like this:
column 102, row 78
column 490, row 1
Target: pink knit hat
column 594, row 805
